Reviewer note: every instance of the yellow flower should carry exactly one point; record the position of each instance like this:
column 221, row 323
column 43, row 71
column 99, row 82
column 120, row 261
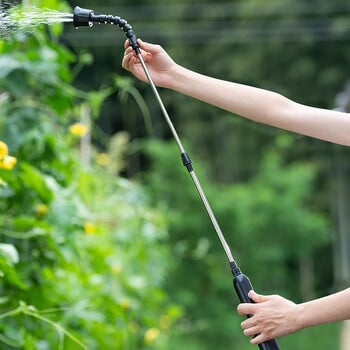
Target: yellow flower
column 151, row 335
column 117, row 269
column 4, row 150
column 78, row 129
column 102, row 159
column 89, row 228
column 41, row 209
column 8, row 162
column 125, row 304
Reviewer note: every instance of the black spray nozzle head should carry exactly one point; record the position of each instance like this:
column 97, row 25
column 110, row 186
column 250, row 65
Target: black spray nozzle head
column 82, row 17
column 86, row 18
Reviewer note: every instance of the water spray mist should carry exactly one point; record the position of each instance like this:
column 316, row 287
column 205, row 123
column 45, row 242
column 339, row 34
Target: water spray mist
column 86, row 18
column 25, row 20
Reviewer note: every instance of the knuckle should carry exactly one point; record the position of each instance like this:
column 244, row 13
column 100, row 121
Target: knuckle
column 246, row 332
column 259, row 319
column 243, row 325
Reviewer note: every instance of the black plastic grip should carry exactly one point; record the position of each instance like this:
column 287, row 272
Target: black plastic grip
column 243, row 287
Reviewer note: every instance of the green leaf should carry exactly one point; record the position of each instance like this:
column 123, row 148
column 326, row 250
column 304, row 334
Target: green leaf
column 8, row 64
column 10, row 275
column 26, row 222
column 34, row 179
column 15, row 342
column 4, row 300
column 10, row 253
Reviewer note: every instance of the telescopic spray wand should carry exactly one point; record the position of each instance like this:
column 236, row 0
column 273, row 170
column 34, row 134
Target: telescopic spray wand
column 86, row 18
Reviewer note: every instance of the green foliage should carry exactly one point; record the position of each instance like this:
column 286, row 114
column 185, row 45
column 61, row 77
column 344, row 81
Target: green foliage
column 91, row 260
column 270, row 222
column 321, row 337
column 83, row 255
column 273, row 209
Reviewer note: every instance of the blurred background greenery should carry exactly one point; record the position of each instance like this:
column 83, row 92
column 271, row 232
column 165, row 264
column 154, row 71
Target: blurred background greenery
column 104, row 243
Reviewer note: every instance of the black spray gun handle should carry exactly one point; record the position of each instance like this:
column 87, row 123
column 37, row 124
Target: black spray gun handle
column 243, row 287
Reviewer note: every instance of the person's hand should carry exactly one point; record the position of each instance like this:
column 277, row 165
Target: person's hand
column 272, row 316
column 159, row 63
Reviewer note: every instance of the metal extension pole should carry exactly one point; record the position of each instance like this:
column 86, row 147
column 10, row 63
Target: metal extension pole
column 242, row 285
column 241, row 282
column 188, row 164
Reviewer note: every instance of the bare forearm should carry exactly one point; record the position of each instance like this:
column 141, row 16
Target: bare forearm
column 332, row 308
column 263, row 106
column 236, row 98
column 260, row 105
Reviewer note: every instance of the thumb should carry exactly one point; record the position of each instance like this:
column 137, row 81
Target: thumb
column 258, row 298
column 151, row 48
column 250, row 308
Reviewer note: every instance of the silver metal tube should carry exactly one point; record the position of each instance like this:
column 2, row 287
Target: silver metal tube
column 161, row 104
column 192, row 173
column 212, row 218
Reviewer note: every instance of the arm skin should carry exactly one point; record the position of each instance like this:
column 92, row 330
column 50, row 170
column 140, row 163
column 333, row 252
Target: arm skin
column 275, row 316
column 257, row 104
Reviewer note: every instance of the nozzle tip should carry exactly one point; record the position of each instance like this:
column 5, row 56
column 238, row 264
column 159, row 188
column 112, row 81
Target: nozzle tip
column 81, row 17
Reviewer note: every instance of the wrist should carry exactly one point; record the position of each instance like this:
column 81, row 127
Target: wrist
column 307, row 316
column 174, row 76
column 300, row 317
